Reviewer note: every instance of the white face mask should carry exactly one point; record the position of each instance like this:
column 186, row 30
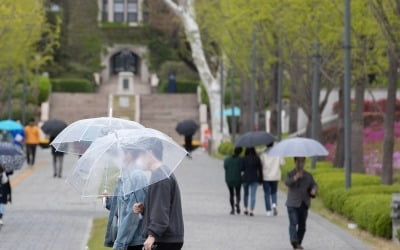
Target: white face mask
column 140, row 163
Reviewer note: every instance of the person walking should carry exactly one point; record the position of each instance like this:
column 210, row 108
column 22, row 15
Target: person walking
column 124, row 227
column 58, row 158
column 163, row 225
column 271, row 176
column 232, row 165
column 301, row 186
column 31, row 141
column 252, row 176
column 5, row 192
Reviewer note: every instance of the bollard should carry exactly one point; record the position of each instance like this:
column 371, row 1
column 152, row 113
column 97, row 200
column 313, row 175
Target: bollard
column 395, row 215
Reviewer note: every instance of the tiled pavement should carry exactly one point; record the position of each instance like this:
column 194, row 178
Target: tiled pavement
column 47, row 214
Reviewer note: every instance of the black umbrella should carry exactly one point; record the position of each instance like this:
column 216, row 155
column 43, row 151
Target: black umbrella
column 12, row 157
column 53, row 127
column 187, row 127
column 254, row 138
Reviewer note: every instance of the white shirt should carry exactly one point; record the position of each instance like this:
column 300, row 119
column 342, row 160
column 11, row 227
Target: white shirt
column 271, row 167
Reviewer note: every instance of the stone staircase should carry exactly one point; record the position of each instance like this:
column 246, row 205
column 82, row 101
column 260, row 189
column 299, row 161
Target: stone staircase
column 71, row 107
column 164, row 111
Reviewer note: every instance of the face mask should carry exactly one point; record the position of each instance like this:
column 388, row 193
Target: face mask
column 300, row 164
column 140, row 163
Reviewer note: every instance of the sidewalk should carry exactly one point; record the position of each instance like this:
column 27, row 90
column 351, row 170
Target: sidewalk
column 208, row 224
column 47, row 214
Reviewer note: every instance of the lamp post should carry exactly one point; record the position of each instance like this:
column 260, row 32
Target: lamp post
column 347, row 95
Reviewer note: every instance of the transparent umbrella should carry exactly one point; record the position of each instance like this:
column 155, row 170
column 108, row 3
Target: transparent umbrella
column 135, row 157
column 77, row 137
column 298, row 146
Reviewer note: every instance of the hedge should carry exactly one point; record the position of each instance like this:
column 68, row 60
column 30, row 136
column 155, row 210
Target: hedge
column 71, row 85
column 367, row 203
column 182, row 86
column 226, row 148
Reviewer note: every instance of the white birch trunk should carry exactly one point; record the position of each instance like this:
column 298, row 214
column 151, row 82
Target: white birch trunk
column 185, row 12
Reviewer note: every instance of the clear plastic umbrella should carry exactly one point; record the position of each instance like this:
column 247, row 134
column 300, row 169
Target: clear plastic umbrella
column 298, row 146
column 136, row 157
column 77, row 137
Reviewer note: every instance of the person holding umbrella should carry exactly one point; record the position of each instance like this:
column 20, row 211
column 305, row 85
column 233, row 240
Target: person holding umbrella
column 187, row 128
column 163, row 220
column 124, row 227
column 53, row 127
column 301, row 184
column 232, row 166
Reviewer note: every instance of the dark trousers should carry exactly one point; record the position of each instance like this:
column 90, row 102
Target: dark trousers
column 234, row 192
column 58, row 165
column 270, row 193
column 188, row 143
column 30, row 153
column 135, row 247
column 168, row 246
column 297, row 223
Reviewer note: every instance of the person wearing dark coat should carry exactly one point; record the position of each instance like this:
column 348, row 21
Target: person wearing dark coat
column 301, row 187
column 252, row 176
column 58, row 158
column 5, row 192
column 233, row 178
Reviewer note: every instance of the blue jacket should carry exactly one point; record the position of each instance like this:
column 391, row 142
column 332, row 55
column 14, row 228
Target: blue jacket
column 124, row 227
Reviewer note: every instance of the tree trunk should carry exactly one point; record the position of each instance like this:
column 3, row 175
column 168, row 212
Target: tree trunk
column 339, row 156
column 293, row 109
column 388, row 139
column 185, row 12
column 273, row 89
column 244, row 106
column 357, row 128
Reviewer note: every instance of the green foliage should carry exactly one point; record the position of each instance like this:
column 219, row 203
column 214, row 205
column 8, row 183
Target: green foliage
column 226, row 148
column 44, row 89
column 182, row 86
column 71, row 85
column 181, row 70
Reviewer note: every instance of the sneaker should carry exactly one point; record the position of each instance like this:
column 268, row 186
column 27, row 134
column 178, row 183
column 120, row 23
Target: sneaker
column 269, row 213
column 274, row 209
column 251, row 214
column 1, row 222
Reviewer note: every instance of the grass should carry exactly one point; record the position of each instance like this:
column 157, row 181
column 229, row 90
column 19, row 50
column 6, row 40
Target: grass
column 97, row 234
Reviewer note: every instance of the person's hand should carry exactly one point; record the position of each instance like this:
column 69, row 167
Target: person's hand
column 138, row 208
column 313, row 192
column 149, row 242
column 298, row 175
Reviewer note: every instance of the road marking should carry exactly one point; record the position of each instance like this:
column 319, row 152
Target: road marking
column 28, row 171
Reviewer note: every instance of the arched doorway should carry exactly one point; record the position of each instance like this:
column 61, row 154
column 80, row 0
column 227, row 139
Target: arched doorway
column 125, row 61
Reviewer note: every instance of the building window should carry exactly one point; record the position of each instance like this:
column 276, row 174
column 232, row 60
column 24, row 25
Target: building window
column 132, row 11
column 104, row 11
column 125, row 84
column 119, row 11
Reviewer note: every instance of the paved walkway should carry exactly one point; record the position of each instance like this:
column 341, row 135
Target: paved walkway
column 47, row 214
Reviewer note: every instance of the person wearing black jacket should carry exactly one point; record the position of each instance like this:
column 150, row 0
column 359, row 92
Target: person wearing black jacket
column 5, row 192
column 252, row 176
column 162, row 210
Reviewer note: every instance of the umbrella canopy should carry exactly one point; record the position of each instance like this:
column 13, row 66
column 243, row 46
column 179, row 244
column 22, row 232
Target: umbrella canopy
column 9, row 125
column 235, row 111
column 11, row 156
column 136, row 157
column 53, row 127
column 186, row 127
column 298, row 146
column 254, row 138
column 77, row 137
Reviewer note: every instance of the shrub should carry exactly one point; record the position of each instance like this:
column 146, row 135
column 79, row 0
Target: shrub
column 226, row 148
column 182, row 86
column 71, row 85
column 44, row 88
